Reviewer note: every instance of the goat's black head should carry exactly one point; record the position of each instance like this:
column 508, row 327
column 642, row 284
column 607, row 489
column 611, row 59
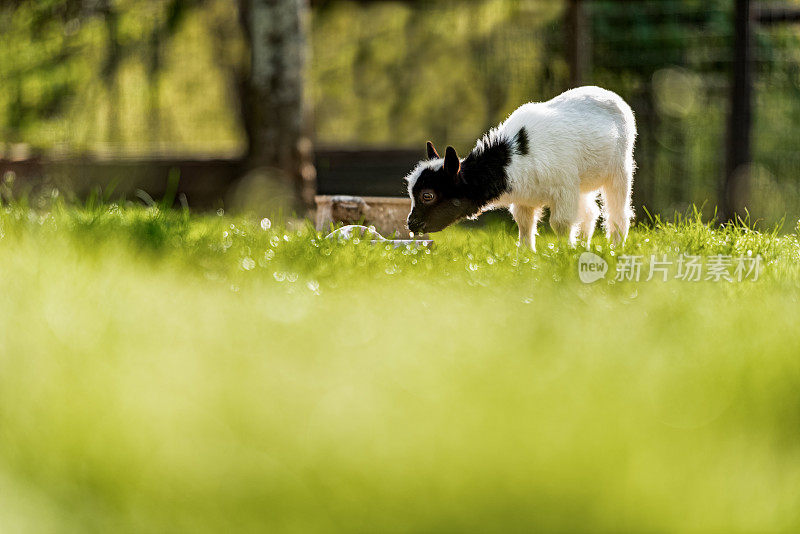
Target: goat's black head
column 438, row 195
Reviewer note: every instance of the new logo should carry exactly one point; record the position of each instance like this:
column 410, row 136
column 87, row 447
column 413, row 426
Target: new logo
column 591, row 267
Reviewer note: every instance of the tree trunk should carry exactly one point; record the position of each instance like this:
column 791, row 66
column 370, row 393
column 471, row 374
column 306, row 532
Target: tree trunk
column 271, row 94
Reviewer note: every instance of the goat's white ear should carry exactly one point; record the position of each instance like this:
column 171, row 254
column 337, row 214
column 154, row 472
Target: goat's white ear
column 432, row 154
column 451, row 163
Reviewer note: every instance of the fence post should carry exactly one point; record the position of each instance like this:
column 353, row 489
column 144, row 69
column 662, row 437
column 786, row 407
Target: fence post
column 578, row 43
column 741, row 111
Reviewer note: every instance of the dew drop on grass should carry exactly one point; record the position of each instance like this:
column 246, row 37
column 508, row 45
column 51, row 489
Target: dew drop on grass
column 227, row 241
column 279, row 276
column 473, row 266
column 248, row 263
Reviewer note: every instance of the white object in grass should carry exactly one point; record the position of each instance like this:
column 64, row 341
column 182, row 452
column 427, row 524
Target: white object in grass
column 346, row 233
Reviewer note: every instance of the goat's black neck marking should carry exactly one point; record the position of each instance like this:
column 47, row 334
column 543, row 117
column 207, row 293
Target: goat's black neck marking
column 521, row 142
column 483, row 174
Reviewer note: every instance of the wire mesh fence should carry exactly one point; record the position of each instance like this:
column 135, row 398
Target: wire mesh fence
column 671, row 60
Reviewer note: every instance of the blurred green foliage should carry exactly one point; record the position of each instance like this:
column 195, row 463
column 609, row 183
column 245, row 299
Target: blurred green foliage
column 398, row 74
column 124, row 76
column 163, row 372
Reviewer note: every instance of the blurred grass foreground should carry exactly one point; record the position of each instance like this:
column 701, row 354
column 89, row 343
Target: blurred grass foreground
column 167, row 372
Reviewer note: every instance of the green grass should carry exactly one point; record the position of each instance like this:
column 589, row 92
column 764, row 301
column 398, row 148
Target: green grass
column 167, row 372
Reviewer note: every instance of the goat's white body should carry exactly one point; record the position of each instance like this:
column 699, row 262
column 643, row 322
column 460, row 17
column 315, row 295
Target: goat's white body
column 580, row 143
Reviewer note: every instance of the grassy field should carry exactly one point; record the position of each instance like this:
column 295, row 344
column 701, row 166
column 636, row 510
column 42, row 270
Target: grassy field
column 168, row 372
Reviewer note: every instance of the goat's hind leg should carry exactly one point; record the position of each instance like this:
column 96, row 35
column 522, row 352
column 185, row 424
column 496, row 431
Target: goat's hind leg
column 564, row 216
column 588, row 213
column 617, row 211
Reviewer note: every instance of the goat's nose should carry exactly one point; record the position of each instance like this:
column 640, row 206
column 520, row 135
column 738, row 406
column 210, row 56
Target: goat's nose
column 416, row 226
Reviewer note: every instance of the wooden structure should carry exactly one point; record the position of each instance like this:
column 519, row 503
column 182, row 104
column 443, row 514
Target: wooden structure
column 740, row 122
column 205, row 183
column 740, row 116
column 578, row 45
column 386, row 214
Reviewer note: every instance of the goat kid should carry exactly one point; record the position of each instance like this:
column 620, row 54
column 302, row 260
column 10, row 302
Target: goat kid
column 558, row 154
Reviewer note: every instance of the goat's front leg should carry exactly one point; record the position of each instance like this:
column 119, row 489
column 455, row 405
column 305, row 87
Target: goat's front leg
column 527, row 219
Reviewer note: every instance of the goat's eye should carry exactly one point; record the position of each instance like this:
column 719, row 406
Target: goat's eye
column 428, row 196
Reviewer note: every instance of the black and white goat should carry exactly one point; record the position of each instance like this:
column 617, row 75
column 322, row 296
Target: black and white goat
column 560, row 154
